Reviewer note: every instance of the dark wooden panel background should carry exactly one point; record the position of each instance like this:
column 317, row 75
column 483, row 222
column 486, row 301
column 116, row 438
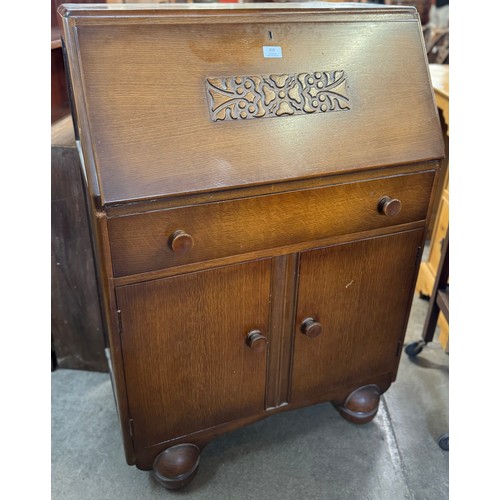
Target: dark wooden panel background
column 60, row 106
column 77, row 327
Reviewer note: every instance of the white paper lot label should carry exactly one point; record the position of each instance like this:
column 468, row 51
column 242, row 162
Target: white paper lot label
column 272, row 51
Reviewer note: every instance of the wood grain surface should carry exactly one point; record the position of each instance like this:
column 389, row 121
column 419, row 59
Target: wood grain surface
column 248, row 266
column 359, row 293
column 139, row 243
column 143, row 145
column 187, row 364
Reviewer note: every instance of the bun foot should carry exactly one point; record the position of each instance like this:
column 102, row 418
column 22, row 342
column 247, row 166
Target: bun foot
column 175, row 467
column 361, row 405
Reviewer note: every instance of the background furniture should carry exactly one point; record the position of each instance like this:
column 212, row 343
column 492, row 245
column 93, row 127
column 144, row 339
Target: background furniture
column 440, row 210
column 439, row 302
column 438, row 51
column 258, row 202
column 439, row 306
column 77, row 327
column 60, row 107
column 423, row 7
column 440, row 298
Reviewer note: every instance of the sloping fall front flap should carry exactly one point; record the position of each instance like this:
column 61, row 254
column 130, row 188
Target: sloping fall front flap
column 174, row 108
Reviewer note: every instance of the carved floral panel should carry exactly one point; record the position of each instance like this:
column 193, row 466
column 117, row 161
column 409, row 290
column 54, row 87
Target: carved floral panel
column 244, row 97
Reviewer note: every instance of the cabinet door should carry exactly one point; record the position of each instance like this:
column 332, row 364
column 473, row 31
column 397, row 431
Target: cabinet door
column 187, row 364
column 360, row 293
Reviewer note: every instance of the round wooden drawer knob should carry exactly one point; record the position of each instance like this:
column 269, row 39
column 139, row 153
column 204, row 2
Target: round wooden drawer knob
column 256, row 341
column 180, row 242
column 389, row 206
column 311, row 328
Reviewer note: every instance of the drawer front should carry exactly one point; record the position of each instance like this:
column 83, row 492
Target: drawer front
column 168, row 238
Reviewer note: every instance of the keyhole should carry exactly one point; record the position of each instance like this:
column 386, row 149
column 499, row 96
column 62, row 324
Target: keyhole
column 270, row 35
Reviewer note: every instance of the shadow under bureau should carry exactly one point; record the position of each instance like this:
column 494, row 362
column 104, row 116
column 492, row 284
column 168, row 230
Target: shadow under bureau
column 259, row 179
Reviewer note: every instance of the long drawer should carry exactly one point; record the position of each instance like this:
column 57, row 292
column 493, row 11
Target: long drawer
column 178, row 236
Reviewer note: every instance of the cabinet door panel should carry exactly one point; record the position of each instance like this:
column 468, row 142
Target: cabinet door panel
column 360, row 294
column 187, row 365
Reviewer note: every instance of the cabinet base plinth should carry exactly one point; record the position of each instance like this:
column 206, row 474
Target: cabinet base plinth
column 175, row 467
column 361, row 405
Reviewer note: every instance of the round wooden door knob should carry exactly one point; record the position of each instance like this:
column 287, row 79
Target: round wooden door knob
column 256, row 341
column 180, row 242
column 311, row 328
column 389, row 206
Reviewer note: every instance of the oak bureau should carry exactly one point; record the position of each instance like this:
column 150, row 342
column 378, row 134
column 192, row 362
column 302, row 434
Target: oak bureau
column 259, row 180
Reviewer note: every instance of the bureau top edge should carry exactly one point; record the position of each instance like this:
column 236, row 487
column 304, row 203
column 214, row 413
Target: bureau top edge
column 200, row 11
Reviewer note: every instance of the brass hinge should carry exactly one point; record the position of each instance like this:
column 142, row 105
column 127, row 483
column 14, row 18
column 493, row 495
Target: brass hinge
column 120, row 325
column 399, row 348
column 131, row 427
column 418, row 256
